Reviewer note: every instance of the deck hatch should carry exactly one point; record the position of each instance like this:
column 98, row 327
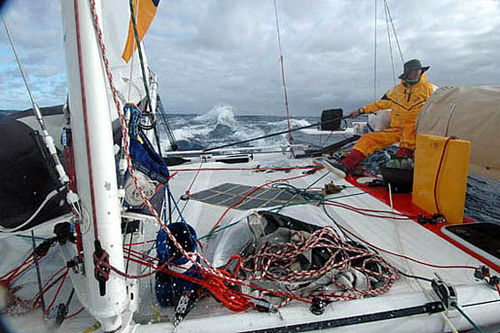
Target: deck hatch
column 482, row 238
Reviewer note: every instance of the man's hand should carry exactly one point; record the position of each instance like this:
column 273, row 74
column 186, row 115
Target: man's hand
column 355, row 113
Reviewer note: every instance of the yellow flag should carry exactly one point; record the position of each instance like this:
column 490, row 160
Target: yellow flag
column 144, row 14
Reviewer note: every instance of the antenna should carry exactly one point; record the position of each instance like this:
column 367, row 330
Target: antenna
column 290, row 139
column 36, row 109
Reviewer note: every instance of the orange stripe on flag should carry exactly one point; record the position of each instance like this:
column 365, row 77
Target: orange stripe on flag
column 144, row 16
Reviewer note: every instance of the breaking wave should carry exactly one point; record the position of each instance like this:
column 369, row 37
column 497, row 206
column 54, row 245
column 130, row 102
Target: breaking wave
column 219, row 126
column 220, row 114
column 190, row 132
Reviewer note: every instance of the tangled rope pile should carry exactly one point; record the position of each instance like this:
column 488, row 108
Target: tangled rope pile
column 338, row 270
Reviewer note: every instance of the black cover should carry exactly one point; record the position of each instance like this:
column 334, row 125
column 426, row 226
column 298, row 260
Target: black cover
column 25, row 176
column 401, row 180
column 331, row 119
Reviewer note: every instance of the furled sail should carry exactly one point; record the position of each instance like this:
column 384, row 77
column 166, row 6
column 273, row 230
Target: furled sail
column 470, row 113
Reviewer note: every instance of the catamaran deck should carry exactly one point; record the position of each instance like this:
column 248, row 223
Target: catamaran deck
column 404, row 237
column 407, row 307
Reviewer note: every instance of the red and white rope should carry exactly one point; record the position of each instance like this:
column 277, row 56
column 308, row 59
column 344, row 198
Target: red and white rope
column 275, row 262
column 198, row 260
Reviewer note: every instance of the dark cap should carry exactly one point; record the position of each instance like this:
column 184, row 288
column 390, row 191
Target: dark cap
column 411, row 65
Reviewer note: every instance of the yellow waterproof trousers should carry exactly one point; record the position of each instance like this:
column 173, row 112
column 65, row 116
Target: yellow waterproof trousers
column 371, row 142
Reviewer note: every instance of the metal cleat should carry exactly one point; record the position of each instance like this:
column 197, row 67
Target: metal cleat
column 445, row 292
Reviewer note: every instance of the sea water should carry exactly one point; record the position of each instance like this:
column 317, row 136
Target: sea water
column 220, row 126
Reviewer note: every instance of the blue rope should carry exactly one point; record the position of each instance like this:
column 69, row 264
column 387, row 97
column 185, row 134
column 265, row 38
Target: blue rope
column 183, row 208
column 176, row 206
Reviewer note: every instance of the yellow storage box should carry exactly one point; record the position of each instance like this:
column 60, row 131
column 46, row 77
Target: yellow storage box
column 448, row 197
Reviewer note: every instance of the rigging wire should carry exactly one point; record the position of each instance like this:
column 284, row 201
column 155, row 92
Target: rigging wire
column 58, row 290
column 290, row 139
column 132, row 64
column 166, row 125
column 436, row 179
column 151, row 114
column 188, row 190
column 394, row 31
column 386, row 8
column 256, row 169
column 407, row 257
column 390, row 45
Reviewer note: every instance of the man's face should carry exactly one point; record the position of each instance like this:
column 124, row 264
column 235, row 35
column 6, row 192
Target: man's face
column 414, row 74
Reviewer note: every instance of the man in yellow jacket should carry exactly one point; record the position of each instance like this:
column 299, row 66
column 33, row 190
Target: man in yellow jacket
column 405, row 100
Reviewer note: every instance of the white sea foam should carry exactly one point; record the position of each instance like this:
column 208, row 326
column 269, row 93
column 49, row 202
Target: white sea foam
column 248, row 132
column 293, row 123
column 221, row 114
column 190, row 132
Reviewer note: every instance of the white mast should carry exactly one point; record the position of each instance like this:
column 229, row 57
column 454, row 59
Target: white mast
column 94, row 159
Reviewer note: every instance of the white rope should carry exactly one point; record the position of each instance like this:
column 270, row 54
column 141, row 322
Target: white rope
column 32, row 217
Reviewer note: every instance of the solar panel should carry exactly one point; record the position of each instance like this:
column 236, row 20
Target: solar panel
column 228, row 194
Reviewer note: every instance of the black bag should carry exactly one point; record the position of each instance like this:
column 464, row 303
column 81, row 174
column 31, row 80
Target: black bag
column 330, row 120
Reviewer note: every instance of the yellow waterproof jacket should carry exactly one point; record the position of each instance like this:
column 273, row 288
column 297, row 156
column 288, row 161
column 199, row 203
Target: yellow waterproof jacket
column 405, row 102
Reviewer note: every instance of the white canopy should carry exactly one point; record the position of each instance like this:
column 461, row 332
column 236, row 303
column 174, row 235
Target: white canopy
column 470, row 113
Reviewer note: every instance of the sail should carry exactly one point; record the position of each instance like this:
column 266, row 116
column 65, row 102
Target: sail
column 127, row 76
column 470, row 113
column 143, row 14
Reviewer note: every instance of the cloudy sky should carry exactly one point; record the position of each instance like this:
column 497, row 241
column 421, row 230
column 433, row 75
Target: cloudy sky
column 208, row 52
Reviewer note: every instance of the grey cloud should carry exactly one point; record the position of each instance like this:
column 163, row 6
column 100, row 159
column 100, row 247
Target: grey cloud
column 37, row 30
column 207, row 52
